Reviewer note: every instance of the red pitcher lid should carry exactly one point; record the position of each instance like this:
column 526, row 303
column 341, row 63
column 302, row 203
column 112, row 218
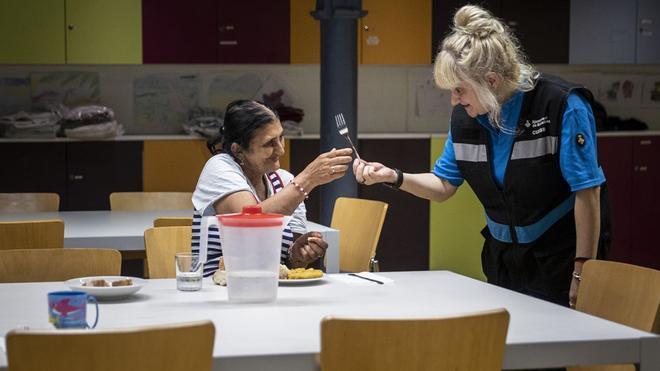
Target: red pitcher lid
column 252, row 217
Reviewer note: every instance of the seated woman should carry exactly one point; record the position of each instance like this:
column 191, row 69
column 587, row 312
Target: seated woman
column 245, row 170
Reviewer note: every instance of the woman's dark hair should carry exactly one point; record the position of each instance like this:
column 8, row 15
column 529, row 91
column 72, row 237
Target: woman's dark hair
column 242, row 118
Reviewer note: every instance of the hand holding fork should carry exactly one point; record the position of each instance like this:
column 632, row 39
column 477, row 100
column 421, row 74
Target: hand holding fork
column 343, row 131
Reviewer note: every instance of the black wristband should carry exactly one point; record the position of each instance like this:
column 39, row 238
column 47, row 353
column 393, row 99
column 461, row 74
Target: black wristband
column 399, row 180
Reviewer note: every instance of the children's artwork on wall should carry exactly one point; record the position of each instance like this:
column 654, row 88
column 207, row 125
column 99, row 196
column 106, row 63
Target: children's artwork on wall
column 70, row 88
column 161, row 102
column 429, row 107
column 620, row 90
column 228, row 87
column 14, row 94
column 651, row 92
column 590, row 80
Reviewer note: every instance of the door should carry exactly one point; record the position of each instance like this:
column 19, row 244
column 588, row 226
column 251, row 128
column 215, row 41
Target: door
column 175, row 31
column 32, row 32
column 543, row 30
column 615, row 155
column 253, row 31
column 107, row 32
column 395, row 32
column 404, row 240
column 443, row 18
column 602, row 31
column 305, row 33
column 33, row 167
column 645, row 201
column 648, row 27
column 96, row 169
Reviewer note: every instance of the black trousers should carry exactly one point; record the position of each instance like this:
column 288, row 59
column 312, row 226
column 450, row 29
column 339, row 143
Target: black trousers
column 542, row 269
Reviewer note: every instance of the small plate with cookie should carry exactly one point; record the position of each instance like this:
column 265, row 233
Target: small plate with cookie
column 107, row 287
column 299, row 275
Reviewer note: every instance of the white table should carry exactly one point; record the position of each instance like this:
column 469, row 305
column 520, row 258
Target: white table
column 284, row 335
column 124, row 230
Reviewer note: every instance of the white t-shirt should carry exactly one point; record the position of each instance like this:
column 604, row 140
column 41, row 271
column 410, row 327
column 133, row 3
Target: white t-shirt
column 222, row 176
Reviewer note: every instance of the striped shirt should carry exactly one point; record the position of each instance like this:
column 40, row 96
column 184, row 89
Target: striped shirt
column 221, row 177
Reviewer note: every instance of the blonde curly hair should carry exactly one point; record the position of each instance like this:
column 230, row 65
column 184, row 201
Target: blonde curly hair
column 480, row 44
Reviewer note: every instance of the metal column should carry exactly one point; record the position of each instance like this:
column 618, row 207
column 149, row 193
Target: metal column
column 338, row 87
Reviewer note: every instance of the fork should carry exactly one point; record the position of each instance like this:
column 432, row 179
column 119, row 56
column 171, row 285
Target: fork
column 343, row 131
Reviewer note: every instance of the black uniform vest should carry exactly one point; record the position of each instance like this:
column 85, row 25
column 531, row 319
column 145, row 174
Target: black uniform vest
column 534, row 195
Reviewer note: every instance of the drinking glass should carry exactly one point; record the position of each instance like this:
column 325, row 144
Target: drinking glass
column 188, row 272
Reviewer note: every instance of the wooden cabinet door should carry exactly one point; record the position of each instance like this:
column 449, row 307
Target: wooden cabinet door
column 645, row 201
column 615, row 155
column 33, row 167
column 175, row 31
column 305, row 33
column 253, row 31
column 173, row 165
column 104, row 32
column 96, row 169
column 404, row 240
column 32, row 32
column 602, row 31
column 648, row 33
column 443, row 18
column 395, row 32
column 543, row 30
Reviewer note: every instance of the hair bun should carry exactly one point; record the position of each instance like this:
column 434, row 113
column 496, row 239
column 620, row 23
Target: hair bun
column 476, row 22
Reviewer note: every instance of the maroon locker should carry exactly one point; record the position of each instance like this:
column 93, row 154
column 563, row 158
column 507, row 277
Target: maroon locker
column 175, row 31
column 253, row 31
column 645, row 201
column 615, row 154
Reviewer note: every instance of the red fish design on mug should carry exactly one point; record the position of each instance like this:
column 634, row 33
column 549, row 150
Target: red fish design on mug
column 64, row 308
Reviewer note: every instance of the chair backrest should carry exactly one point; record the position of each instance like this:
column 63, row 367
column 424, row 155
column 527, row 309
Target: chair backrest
column 144, row 201
column 173, row 222
column 470, row 342
column 359, row 223
column 32, row 234
column 623, row 293
column 39, row 265
column 186, row 346
column 15, row 203
column 161, row 244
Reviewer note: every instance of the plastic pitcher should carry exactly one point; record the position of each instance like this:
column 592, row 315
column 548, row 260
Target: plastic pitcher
column 251, row 245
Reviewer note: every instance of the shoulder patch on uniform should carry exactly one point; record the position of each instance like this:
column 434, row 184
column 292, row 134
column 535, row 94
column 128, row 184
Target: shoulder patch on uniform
column 580, row 139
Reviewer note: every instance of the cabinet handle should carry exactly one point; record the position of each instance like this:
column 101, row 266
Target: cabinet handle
column 366, row 28
column 71, row 27
column 645, row 142
column 229, row 42
column 643, row 168
column 76, row 177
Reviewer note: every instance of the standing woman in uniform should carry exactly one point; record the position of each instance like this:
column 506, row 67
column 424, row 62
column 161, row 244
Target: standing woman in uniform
column 526, row 144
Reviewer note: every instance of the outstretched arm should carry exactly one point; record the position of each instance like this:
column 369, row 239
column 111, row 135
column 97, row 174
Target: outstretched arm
column 424, row 185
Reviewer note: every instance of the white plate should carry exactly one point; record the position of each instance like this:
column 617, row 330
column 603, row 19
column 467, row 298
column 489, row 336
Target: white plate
column 300, row 281
column 106, row 292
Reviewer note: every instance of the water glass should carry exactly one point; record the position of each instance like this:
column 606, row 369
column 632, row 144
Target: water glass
column 188, row 272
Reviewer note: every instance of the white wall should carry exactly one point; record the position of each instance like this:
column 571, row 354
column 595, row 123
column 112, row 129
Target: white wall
column 392, row 99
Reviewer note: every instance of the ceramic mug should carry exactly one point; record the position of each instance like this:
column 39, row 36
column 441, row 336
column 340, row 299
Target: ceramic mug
column 68, row 309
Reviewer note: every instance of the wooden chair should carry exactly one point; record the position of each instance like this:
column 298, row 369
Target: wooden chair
column 39, row 265
column 359, row 223
column 32, row 234
column 161, row 244
column 15, row 203
column 470, row 342
column 173, row 222
column 185, row 346
column 143, row 201
column 623, row 293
